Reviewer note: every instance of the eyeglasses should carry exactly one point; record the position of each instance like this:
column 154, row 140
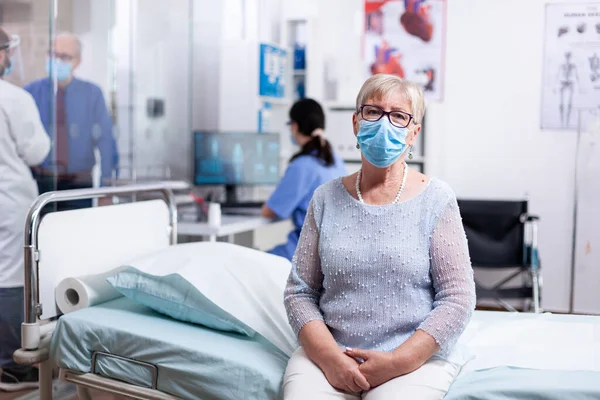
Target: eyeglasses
column 15, row 40
column 8, row 49
column 61, row 56
column 399, row 119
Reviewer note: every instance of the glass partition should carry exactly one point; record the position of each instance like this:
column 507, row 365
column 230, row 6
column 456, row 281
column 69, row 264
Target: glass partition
column 29, row 24
column 116, row 84
column 113, row 88
column 160, row 92
column 76, row 91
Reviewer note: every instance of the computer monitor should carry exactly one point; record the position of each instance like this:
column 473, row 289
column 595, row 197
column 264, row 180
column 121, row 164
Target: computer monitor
column 236, row 158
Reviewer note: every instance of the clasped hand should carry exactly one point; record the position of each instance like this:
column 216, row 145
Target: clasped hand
column 342, row 372
column 377, row 367
column 348, row 374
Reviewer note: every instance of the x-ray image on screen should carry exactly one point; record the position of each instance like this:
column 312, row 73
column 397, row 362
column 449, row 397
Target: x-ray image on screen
column 260, row 168
column 236, row 158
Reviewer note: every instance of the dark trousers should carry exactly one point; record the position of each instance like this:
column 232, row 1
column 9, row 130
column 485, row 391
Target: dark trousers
column 11, row 316
column 48, row 183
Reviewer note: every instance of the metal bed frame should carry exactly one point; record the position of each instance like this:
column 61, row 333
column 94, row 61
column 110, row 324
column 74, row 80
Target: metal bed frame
column 134, row 177
column 36, row 333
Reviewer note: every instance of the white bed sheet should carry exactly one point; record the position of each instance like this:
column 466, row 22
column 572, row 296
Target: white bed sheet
column 533, row 341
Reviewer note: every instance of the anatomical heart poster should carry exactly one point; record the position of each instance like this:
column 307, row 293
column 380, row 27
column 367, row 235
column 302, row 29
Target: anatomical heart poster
column 407, row 38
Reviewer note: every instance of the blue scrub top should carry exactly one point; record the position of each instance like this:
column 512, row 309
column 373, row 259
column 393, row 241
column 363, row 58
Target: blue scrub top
column 294, row 192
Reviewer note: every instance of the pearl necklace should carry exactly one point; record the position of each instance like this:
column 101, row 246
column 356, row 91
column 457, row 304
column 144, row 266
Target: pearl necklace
column 358, row 175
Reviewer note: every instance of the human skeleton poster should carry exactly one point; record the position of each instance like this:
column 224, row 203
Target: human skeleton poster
column 571, row 79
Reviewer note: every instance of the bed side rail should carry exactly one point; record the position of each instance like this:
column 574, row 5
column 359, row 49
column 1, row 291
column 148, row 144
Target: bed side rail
column 113, row 386
column 31, row 331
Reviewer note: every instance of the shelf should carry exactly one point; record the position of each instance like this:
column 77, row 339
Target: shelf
column 339, row 106
column 276, row 101
column 299, row 72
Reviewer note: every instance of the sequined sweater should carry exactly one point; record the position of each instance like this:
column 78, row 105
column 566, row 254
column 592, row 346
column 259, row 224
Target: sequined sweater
column 376, row 274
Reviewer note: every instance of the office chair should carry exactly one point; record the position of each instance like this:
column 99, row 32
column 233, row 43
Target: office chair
column 502, row 234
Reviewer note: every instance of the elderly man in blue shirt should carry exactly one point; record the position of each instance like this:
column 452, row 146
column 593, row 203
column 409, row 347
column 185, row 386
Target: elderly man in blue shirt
column 82, row 122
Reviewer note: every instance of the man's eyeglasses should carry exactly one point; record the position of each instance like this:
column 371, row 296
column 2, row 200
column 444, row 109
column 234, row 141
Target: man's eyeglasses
column 399, row 119
column 61, row 56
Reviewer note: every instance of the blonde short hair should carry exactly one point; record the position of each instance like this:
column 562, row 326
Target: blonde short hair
column 382, row 86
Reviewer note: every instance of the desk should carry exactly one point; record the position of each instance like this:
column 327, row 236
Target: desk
column 230, row 225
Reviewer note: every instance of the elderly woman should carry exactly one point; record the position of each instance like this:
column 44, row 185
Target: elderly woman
column 381, row 285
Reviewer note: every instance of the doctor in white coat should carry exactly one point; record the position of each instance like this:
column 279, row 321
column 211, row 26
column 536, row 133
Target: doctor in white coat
column 23, row 143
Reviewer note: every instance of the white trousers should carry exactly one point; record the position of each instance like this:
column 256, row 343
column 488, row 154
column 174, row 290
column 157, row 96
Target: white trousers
column 304, row 380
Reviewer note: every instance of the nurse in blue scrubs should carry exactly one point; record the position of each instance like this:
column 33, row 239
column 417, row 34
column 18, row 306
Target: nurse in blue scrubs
column 312, row 166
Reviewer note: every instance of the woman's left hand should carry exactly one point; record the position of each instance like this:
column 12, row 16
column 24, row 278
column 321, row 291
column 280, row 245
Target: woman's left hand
column 378, row 367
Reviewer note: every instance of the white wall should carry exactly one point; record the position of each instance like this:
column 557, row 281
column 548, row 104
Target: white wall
column 208, row 16
column 587, row 272
column 92, row 23
column 151, row 46
column 485, row 137
column 496, row 158
column 162, row 70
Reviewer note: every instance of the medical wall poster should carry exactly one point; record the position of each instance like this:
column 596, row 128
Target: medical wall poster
column 571, row 63
column 273, row 62
column 407, row 38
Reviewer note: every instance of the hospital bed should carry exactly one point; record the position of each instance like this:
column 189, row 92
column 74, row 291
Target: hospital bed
column 127, row 349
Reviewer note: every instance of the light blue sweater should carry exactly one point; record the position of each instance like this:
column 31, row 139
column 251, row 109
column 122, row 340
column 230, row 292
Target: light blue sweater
column 376, row 274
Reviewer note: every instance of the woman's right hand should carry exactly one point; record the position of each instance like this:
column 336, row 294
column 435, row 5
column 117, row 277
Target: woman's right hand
column 343, row 374
column 340, row 369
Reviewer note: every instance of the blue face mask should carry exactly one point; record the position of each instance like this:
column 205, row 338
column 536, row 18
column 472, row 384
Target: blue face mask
column 8, row 69
column 381, row 143
column 289, row 123
column 62, row 69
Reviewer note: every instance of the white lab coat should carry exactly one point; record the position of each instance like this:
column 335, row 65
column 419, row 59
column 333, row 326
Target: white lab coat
column 23, row 143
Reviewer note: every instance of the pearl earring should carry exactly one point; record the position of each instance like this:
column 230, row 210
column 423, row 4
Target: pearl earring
column 357, row 146
column 410, row 153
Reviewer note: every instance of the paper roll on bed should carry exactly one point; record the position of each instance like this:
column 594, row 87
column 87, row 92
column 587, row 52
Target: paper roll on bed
column 73, row 294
